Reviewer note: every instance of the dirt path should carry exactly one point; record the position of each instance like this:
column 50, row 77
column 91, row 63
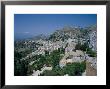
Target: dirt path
column 63, row 61
column 90, row 71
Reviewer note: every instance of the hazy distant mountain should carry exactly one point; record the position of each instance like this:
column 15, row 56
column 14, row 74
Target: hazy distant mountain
column 40, row 36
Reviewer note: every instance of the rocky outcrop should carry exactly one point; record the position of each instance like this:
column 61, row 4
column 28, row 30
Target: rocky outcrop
column 93, row 40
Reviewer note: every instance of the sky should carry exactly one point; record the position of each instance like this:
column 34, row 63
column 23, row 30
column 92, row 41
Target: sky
column 29, row 25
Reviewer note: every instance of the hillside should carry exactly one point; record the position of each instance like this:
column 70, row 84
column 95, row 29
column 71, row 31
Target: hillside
column 64, row 52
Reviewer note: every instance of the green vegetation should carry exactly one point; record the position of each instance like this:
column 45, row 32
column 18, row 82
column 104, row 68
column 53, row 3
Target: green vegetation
column 55, row 57
column 48, row 73
column 22, row 68
column 91, row 53
column 22, row 53
column 52, row 58
column 85, row 47
column 73, row 69
column 49, row 59
column 39, row 44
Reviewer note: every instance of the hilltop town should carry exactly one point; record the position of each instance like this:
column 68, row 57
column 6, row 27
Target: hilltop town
column 70, row 51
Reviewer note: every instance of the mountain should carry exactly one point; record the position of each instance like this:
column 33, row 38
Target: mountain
column 65, row 33
column 93, row 38
column 88, row 34
column 38, row 37
column 81, row 35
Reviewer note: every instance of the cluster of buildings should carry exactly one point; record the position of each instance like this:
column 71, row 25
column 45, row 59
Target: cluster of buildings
column 50, row 46
column 71, row 55
column 39, row 72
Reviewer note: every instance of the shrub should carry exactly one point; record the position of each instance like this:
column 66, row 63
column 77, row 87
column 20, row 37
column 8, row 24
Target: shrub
column 75, row 69
column 85, row 47
column 82, row 47
column 91, row 53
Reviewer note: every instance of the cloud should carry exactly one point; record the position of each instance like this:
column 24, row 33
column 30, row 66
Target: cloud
column 23, row 32
column 26, row 32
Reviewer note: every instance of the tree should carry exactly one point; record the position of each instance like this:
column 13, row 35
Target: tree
column 85, row 46
column 49, row 73
column 91, row 53
column 78, row 46
column 20, row 67
column 46, row 53
column 75, row 69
